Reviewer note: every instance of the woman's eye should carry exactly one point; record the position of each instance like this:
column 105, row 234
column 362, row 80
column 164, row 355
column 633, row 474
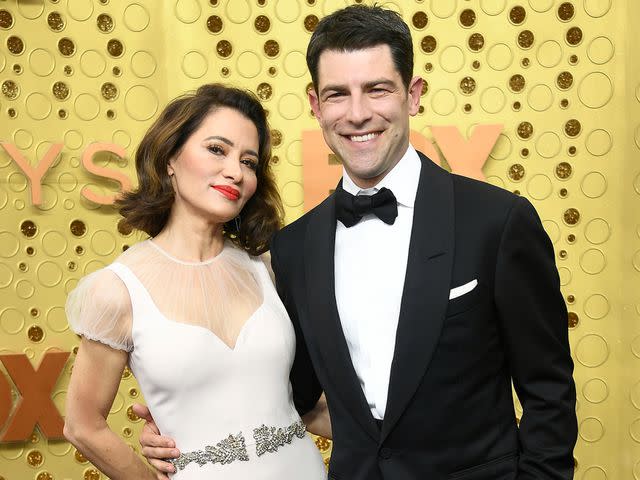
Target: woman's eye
column 251, row 163
column 216, row 149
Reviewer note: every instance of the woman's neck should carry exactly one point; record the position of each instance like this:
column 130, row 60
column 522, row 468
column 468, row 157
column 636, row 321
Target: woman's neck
column 190, row 239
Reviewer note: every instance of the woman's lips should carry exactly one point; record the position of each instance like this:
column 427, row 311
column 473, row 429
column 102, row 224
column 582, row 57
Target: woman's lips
column 229, row 192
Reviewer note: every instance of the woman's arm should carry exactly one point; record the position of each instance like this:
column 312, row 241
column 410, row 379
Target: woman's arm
column 317, row 420
column 94, row 383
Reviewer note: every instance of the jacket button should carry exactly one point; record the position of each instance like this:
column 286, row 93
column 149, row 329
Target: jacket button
column 385, row 453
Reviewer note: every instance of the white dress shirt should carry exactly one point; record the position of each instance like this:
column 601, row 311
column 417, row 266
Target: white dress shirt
column 370, row 265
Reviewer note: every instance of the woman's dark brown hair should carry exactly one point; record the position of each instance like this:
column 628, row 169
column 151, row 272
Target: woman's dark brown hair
column 147, row 207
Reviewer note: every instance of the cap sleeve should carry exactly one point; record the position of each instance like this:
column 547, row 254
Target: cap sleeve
column 99, row 308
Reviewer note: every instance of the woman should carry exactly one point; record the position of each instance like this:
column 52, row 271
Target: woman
column 192, row 309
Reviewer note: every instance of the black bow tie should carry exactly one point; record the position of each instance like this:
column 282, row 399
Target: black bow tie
column 351, row 208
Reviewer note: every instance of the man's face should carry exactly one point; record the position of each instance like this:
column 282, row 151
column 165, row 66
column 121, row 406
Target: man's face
column 363, row 109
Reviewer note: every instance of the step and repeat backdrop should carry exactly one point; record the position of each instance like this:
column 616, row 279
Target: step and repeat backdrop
column 540, row 97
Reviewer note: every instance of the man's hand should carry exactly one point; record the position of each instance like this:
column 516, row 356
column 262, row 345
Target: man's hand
column 155, row 447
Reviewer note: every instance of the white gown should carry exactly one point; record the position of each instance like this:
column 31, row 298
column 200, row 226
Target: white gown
column 228, row 406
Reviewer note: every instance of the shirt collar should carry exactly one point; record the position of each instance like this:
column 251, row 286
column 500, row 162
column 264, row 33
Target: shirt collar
column 402, row 180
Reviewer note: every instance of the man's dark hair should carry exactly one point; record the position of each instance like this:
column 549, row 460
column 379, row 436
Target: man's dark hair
column 357, row 27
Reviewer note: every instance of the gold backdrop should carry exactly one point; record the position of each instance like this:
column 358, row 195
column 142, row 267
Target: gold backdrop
column 562, row 77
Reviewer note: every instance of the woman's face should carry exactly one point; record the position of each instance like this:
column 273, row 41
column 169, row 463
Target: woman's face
column 214, row 174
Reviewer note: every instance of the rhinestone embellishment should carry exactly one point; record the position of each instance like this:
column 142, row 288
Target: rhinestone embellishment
column 269, row 439
column 226, row 451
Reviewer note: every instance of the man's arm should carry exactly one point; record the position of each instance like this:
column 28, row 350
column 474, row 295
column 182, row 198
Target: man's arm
column 533, row 320
column 304, row 382
column 155, row 447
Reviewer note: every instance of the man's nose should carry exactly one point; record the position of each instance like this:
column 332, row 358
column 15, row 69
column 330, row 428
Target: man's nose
column 359, row 110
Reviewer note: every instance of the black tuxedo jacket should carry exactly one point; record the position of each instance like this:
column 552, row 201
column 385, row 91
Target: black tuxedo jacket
column 450, row 412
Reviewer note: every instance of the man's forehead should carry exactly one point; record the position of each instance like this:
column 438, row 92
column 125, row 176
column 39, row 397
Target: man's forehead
column 348, row 51
column 333, row 55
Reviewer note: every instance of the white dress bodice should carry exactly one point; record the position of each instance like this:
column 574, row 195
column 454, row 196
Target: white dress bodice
column 222, row 403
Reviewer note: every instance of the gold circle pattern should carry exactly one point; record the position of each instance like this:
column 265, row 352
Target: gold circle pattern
column 420, row 20
column 574, row 36
column 517, row 83
column 105, row 23
column 476, row 42
column 563, row 170
column 78, row 228
column 517, row 15
column 35, row 458
column 573, row 319
column 564, row 80
column 468, row 18
column 271, row 48
column 214, row 24
column 572, row 128
column 35, row 333
column 10, row 89
column 264, row 91
column 60, row 90
column 80, row 458
column 516, row 172
column 428, row 44
column 91, row 474
column 55, row 21
column 571, row 216
column 467, row 85
column 262, row 23
column 526, row 39
column 224, row 48
column 15, row 45
column 28, row 228
column 566, row 11
column 115, row 48
column 6, row 19
column 310, row 22
column 276, row 137
column 66, row 47
column 109, row 91
column 525, row 130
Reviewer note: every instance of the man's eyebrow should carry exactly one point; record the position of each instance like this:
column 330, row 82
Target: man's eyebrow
column 333, row 88
column 381, row 81
column 369, row 84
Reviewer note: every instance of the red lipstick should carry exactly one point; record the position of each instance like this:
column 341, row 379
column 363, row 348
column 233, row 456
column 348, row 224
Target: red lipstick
column 228, row 191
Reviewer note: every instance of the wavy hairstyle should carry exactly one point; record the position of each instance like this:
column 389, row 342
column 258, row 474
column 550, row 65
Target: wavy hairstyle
column 147, row 207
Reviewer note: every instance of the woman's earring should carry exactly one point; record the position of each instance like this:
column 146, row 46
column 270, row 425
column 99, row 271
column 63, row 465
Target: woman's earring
column 237, row 221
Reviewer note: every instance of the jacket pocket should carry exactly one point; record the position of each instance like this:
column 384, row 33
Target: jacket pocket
column 501, row 468
column 467, row 301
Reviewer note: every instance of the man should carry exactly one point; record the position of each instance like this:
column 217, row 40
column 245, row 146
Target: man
column 419, row 296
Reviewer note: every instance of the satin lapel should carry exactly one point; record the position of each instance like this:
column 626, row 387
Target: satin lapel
column 323, row 313
column 426, row 289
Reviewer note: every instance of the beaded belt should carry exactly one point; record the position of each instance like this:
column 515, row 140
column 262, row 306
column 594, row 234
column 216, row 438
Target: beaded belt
column 232, row 448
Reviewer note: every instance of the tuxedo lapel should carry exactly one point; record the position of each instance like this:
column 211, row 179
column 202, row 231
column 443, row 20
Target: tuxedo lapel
column 426, row 288
column 324, row 320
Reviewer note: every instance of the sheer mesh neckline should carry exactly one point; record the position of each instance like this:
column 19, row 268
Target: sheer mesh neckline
column 208, row 261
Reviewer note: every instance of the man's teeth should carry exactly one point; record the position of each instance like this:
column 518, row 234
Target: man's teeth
column 363, row 138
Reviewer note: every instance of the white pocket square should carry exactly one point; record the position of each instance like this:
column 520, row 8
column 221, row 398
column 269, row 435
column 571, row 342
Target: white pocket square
column 462, row 289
